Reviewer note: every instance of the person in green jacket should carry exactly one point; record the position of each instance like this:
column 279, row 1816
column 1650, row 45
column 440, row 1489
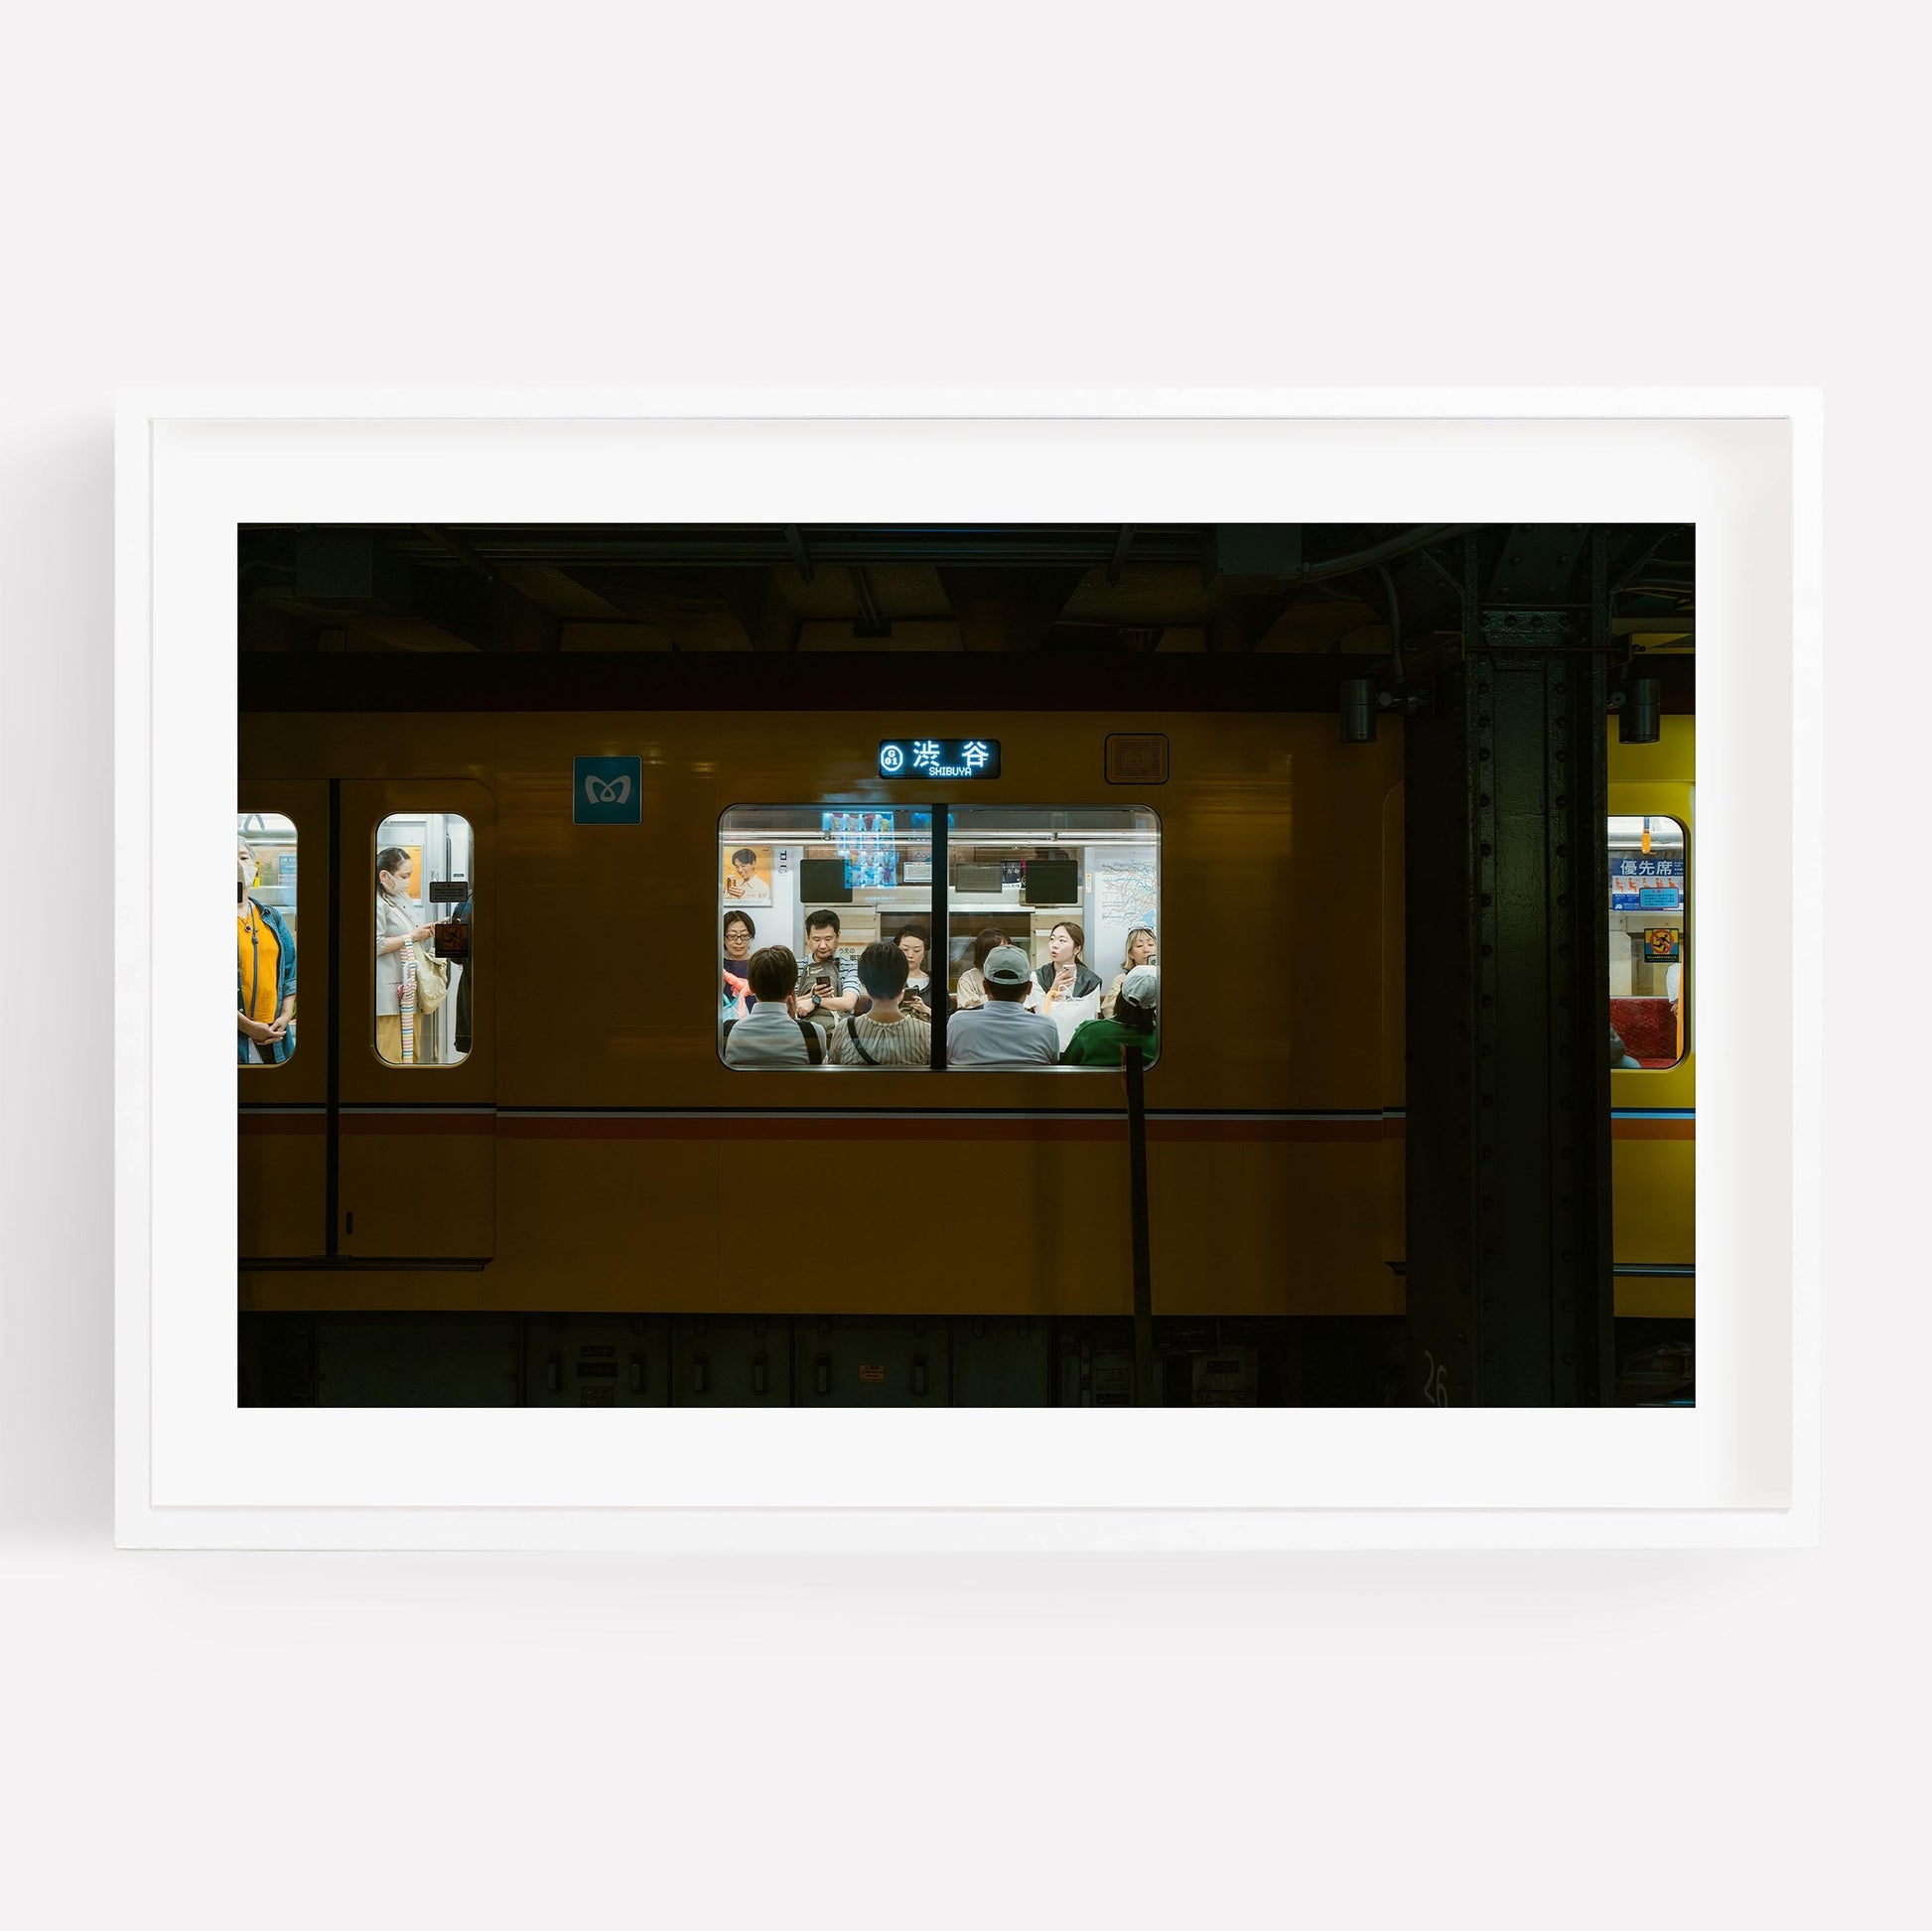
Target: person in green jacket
column 1102, row 1042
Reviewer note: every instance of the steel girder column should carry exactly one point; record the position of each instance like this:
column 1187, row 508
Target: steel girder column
column 1508, row 1132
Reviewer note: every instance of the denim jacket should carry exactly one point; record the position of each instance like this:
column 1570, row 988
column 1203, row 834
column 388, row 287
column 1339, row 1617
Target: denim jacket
column 274, row 1051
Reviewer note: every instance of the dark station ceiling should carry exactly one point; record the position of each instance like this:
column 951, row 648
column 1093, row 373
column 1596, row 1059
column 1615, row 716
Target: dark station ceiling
column 1052, row 587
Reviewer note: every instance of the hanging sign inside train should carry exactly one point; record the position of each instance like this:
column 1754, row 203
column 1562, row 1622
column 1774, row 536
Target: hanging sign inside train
column 948, row 758
column 1646, row 883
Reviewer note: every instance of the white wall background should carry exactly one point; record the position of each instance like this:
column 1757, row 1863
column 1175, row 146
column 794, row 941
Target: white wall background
column 413, row 194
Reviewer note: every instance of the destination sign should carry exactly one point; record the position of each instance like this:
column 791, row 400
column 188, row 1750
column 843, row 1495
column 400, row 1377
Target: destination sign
column 948, row 758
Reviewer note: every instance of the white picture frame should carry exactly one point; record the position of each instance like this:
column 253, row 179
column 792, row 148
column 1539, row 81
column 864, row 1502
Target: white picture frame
column 1742, row 1469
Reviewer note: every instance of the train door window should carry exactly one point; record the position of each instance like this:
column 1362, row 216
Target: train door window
column 265, row 923
column 1649, row 930
column 831, row 904
column 1078, row 890
column 423, row 877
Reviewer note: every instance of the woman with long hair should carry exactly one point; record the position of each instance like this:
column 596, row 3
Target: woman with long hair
column 1065, row 975
column 397, row 935
column 1141, row 952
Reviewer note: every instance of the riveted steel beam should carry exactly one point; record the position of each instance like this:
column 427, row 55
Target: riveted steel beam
column 1507, row 1002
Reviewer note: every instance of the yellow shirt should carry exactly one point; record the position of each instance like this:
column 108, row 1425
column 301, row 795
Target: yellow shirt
column 259, row 958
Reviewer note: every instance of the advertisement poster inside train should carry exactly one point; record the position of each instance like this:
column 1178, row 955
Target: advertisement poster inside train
column 748, row 874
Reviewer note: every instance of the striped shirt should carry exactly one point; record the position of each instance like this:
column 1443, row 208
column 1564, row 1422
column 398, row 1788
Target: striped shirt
column 903, row 1042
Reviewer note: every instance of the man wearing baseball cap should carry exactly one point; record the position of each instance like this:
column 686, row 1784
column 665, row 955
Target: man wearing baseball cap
column 1002, row 1033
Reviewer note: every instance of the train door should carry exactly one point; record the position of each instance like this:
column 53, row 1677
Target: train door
column 416, row 1053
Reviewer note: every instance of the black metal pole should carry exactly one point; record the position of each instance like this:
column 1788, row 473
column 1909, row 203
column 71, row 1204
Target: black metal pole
column 332, row 1157
column 1144, row 1394
column 939, row 954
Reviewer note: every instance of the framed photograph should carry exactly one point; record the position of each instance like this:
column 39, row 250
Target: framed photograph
column 1240, row 911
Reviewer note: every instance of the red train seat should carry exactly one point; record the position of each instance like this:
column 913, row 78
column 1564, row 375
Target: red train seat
column 1648, row 1028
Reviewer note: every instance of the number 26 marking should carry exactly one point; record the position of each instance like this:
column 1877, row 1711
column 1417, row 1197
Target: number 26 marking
column 1435, row 1387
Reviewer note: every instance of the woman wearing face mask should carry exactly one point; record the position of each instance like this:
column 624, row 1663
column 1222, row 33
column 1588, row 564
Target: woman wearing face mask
column 397, row 935
column 264, row 976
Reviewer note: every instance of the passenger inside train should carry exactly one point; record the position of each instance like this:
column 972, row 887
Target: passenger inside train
column 921, row 995
column 423, row 898
column 883, row 1035
column 1072, row 893
column 1129, row 1027
column 265, row 940
column 770, row 1035
column 740, row 931
column 1002, row 1031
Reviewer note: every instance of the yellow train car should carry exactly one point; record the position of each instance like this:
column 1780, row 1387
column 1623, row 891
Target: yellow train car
column 1654, row 1108
column 570, row 1138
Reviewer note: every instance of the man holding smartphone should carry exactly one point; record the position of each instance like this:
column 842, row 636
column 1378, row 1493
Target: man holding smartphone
column 823, row 989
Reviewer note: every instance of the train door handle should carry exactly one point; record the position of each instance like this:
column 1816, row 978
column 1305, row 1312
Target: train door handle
column 554, row 1373
column 636, row 1374
column 919, row 1374
column 824, row 1374
column 698, row 1375
column 757, row 1376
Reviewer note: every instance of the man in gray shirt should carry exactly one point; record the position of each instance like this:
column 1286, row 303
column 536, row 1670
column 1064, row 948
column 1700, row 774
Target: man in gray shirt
column 1002, row 1033
column 826, row 991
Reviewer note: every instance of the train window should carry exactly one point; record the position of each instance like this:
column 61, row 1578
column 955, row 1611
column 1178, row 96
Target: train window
column 265, row 939
column 423, row 879
column 1078, row 890
column 1649, row 927
column 828, row 907
column 1069, row 896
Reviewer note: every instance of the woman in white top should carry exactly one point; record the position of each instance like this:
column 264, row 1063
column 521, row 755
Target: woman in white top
column 396, row 932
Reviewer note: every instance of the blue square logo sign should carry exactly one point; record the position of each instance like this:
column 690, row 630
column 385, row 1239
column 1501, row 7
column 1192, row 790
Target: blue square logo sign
column 607, row 791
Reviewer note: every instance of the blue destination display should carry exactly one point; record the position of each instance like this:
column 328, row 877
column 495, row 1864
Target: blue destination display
column 948, row 758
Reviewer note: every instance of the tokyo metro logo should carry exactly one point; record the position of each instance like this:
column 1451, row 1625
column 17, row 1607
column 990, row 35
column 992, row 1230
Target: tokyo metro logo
column 608, row 790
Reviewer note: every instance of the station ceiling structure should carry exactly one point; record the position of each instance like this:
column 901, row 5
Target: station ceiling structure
column 1047, row 589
